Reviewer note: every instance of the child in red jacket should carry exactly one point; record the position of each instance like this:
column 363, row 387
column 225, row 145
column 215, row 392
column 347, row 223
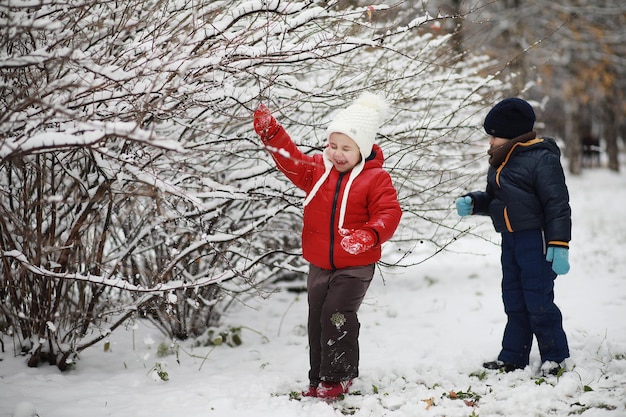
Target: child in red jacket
column 350, row 209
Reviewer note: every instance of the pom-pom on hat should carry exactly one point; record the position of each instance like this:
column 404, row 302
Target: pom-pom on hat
column 510, row 118
column 361, row 121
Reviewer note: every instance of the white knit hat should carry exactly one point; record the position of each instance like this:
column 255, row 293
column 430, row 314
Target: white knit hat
column 360, row 121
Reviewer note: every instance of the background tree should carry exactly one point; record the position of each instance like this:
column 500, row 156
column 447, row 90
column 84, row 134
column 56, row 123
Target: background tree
column 132, row 184
column 566, row 56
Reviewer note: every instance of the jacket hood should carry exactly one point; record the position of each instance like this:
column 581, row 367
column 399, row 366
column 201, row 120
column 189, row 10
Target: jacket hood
column 550, row 144
column 376, row 158
column 540, row 143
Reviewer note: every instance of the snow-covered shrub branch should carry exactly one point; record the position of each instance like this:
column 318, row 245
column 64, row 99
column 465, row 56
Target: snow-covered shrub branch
column 128, row 161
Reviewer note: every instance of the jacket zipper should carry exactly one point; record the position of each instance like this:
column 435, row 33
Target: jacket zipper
column 333, row 211
column 507, row 221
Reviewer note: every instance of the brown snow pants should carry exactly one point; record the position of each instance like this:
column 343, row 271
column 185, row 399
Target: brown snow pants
column 334, row 299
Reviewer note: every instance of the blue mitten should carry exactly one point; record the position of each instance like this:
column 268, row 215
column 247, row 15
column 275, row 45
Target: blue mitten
column 559, row 259
column 464, row 206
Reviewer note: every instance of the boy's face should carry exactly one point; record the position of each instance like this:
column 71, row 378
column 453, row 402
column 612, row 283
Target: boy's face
column 495, row 143
column 343, row 152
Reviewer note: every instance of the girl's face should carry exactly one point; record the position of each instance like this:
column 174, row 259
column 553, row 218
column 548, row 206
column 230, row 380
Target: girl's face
column 343, row 152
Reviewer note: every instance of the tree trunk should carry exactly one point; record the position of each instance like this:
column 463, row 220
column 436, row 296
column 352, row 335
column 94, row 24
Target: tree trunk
column 611, row 128
column 572, row 136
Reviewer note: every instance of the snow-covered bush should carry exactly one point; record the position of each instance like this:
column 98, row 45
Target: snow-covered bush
column 132, row 184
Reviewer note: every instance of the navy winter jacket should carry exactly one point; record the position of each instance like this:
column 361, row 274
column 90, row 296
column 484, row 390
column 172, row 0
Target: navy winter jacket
column 528, row 191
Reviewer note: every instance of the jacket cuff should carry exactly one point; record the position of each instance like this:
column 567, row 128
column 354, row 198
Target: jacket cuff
column 273, row 135
column 558, row 244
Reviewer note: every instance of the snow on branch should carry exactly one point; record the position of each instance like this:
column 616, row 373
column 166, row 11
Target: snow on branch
column 86, row 133
column 234, row 14
column 117, row 282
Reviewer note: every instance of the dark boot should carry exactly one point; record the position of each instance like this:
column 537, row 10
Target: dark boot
column 501, row 366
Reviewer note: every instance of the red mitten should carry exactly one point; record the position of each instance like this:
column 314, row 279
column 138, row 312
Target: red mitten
column 265, row 125
column 358, row 241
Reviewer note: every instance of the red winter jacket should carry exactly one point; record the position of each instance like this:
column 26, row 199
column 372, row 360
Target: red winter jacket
column 372, row 204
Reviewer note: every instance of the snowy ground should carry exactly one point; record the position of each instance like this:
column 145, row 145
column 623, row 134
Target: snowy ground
column 425, row 332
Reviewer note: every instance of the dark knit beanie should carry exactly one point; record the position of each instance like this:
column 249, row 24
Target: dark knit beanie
column 510, row 118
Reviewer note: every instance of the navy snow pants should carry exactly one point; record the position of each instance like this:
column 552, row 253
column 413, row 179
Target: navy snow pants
column 528, row 296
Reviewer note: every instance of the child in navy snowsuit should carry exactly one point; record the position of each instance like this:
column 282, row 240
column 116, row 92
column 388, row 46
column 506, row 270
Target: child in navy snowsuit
column 528, row 202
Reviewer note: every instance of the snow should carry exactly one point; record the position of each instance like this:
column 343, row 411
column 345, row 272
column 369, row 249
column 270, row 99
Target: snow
column 86, row 134
column 425, row 332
